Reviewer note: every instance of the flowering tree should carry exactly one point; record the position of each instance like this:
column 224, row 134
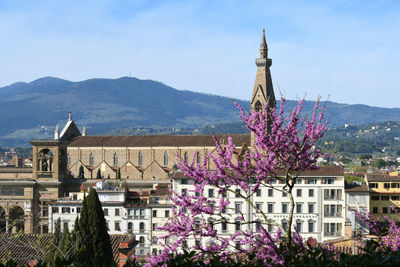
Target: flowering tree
column 284, row 146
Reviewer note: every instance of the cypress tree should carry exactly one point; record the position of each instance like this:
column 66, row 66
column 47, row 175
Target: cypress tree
column 55, row 242
column 65, row 245
column 119, row 173
column 98, row 175
column 101, row 244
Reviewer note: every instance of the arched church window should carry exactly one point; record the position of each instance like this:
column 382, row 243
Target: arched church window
column 68, row 159
column 115, row 159
column 258, row 106
column 140, row 158
column 165, row 158
column 45, row 160
column 91, row 159
column 186, row 157
column 198, row 158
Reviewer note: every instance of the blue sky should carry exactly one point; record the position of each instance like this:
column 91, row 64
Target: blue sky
column 347, row 51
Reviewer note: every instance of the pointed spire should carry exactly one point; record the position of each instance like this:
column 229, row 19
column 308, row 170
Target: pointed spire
column 84, row 133
column 57, row 133
column 263, row 47
column 70, row 116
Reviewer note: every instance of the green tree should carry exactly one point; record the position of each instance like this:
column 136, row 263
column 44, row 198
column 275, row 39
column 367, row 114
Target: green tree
column 55, row 243
column 98, row 175
column 366, row 156
column 119, row 173
column 92, row 239
column 81, row 174
column 379, row 163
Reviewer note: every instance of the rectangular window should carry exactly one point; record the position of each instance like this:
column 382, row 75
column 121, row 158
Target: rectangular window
column 10, row 191
column 184, row 181
column 45, row 211
column 45, row 229
column 270, row 192
column 55, row 209
column 78, row 210
column 352, row 200
column 328, row 180
column 310, row 207
column 298, row 192
column 108, row 228
column 259, row 206
column 65, row 209
column 237, row 192
column 386, row 185
column 284, row 226
column 395, row 185
column 269, row 228
column 298, row 181
column 224, row 226
column 258, row 194
column 284, row 194
column 311, row 180
column 105, row 212
column 385, row 210
column 238, row 207
column 375, row 210
column 374, row 197
column 237, row 225
column 116, row 212
column 298, row 227
column 373, row 185
column 184, row 192
column 210, row 192
column 298, row 208
column 395, row 197
column 311, row 227
column 154, row 213
column 167, row 214
column 154, row 226
column 311, row 192
column 385, row 198
column 284, row 207
column 270, row 207
column 117, row 228
column 363, row 199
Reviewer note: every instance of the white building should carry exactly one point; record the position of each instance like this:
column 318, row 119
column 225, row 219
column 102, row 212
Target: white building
column 357, row 200
column 319, row 210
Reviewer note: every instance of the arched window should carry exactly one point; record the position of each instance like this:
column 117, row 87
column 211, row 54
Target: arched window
column 45, row 159
column 68, row 159
column 165, row 158
column 198, row 158
column 91, row 159
column 115, row 159
column 141, row 240
column 141, row 226
column 140, row 158
column 130, row 226
column 186, row 157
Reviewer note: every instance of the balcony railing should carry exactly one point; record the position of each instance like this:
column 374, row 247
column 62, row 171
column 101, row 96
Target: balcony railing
column 136, row 217
column 336, row 197
column 331, row 234
column 333, row 214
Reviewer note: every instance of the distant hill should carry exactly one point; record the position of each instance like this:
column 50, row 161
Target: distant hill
column 126, row 105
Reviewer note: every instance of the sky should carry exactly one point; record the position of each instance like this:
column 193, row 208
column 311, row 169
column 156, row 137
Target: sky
column 346, row 51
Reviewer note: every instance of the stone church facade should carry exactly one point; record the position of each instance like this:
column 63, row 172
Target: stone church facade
column 141, row 161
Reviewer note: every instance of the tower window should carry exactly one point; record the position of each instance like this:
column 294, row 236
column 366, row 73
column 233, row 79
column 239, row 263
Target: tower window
column 258, row 106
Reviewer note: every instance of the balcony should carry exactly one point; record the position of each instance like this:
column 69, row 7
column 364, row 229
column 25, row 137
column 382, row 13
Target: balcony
column 336, row 197
column 332, row 234
column 136, row 217
column 332, row 214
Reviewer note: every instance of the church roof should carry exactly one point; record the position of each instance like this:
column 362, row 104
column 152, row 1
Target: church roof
column 155, row 140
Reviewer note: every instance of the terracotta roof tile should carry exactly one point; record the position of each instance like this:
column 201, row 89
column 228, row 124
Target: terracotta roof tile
column 24, row 248
column 155, row 140
column 357, row 188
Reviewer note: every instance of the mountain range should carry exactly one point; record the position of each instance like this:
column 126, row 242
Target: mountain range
column 132, row 106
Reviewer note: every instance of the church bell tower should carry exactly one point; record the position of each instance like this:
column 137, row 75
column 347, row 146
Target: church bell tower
column 263, row 91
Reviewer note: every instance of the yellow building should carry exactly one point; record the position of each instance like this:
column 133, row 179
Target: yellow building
column 384, row 194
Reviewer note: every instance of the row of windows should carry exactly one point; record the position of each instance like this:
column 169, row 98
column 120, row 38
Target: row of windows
column 385, row 198
column 270, row 193
column 166, row 214
column 66, row 210
column 385, row 210
column 271, row 207
column 140, row 158
column 385, row 185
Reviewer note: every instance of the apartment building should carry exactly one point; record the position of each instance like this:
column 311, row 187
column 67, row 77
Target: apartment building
column 357, row 201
